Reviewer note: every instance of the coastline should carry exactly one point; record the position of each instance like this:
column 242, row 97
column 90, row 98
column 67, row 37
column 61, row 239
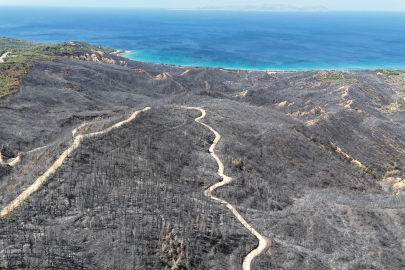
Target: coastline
column 294, row 42
column 155, row 58
column 121, row 52
column 222, row 67
column 202, row 66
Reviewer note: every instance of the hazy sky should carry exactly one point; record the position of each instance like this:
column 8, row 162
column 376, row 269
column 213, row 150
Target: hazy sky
column 398, row 5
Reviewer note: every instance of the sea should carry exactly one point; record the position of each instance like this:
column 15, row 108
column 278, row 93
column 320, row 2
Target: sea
column 337, row 40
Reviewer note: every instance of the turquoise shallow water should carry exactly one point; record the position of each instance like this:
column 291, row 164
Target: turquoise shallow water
column 245, row 40
column 185, row 60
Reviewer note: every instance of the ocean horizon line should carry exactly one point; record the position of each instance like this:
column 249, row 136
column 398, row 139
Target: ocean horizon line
column 197, row 9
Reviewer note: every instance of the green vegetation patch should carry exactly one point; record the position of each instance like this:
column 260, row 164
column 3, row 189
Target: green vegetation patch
column 88, row 46
column 401, row 102
column 395, row 105
column 337, row 77
column 12, row 43
column 21, row 52
column 3, row 85
column 23, row 57
column 9, row 74
column 392, row 73
column 15, row 66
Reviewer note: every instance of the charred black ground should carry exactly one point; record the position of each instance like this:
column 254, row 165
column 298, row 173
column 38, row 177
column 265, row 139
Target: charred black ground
column 317, row 160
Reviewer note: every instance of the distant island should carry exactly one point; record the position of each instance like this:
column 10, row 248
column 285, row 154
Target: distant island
column 279, row 8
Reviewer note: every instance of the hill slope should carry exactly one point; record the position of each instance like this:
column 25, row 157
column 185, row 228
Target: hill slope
column 316, row 158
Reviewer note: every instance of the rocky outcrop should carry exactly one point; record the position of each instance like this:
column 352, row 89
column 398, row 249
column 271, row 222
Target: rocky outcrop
column 99, row 57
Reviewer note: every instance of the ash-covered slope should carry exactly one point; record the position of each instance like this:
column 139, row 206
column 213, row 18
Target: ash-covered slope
column 317, row 160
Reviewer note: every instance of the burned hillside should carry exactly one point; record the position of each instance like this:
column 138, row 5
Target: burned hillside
column 316, row 158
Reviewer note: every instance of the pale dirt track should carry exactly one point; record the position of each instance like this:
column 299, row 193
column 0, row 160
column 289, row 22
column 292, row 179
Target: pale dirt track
column 16, row 160
column 36, row 149
column 3, row 56
column 43, row 178
column 263, row 242
column 11, row 163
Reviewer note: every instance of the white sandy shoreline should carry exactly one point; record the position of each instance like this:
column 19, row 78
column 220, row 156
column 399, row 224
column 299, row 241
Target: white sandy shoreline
column 120, row 52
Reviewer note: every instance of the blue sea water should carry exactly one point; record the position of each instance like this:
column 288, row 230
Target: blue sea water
column 246, row 40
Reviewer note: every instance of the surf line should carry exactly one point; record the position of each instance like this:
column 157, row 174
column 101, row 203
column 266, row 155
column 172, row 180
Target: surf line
column 16, row 203
column 263, row 241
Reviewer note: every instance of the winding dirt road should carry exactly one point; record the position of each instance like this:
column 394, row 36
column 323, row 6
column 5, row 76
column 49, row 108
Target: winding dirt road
column 43, row 178
column 263, row 242
column 16, row 203
column 3, row 56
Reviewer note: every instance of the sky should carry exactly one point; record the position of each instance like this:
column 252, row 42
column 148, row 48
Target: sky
column 374, row 5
